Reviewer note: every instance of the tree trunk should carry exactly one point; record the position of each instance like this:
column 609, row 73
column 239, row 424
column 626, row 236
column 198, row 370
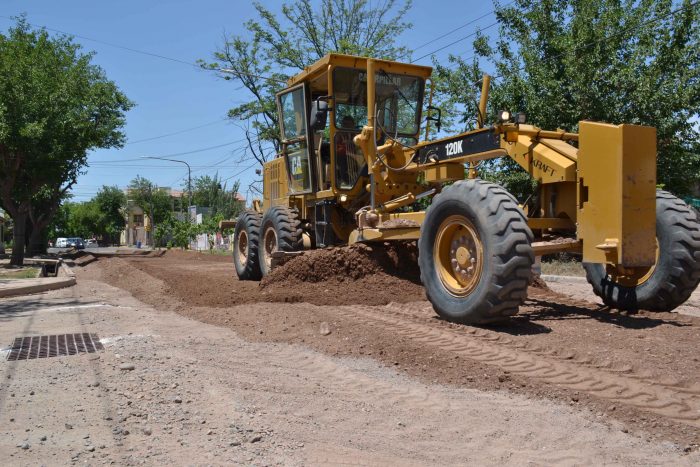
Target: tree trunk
column 38, row 239
column 37, row 245
column 18, row 239
column 36, row 235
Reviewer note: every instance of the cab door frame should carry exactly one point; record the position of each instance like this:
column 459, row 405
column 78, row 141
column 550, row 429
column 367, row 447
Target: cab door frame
column 307, row 138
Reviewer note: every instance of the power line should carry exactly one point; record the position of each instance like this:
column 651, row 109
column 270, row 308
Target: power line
column 239, row 173
column 151, row 166
column 241, row 150
column 143, row 52
column 194, row 151
column 455, row 42
column 460, row 27
column 177, row 132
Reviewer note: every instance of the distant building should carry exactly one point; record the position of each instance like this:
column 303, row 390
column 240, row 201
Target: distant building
column 138, row 224
column 138, row 227
column 135, row 229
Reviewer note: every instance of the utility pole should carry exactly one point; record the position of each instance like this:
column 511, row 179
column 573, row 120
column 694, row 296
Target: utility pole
column 153, row 217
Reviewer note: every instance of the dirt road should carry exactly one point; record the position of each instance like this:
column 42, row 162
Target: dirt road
column 270, row 382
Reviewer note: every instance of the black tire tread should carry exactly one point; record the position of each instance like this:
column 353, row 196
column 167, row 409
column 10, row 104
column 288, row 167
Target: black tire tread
column 288, row 227
column 683, row 275
column 250, row 220
column 512, row 255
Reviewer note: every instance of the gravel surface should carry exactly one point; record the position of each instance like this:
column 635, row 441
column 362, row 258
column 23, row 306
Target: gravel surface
column 301, row 384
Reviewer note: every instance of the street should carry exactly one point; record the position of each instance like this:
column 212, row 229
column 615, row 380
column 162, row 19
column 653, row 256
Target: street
column 171, row 390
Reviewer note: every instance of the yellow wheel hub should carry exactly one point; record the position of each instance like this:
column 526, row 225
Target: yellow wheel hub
column 463, row 256
column 631, row 277
column 269, row 246
column 458, row 254
column 243, row 247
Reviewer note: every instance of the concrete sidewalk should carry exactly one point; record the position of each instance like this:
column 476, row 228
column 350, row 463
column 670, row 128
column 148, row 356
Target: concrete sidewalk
column 14, row 287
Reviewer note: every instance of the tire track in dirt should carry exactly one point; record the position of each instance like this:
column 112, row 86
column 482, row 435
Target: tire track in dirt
column 419, row 311
column 479, row 346
column 355, row 382
column 358, row 385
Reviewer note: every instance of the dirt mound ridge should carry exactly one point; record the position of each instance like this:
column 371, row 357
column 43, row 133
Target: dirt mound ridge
column 355, row 274
column 349, row 263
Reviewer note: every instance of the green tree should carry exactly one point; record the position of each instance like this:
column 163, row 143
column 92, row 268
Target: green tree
column 212, row 192
column 59, row 223
column 83, row 219
column 617, row 61
column 279, row 46
column 111, row 203
column 153, row 200
column 210, row 226
column 55, row 106
column 175, row 232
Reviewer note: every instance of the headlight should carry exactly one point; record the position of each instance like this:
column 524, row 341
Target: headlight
column 505, row 116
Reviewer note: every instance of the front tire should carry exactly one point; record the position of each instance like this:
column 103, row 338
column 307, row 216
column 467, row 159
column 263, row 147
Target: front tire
column 246, row 240
column 676, row 273
column 281, row 231
column 475, row 253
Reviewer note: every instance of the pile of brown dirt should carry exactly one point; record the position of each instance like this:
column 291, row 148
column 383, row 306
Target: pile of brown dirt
column 538, row 283
column 196, row 279
column 355, row 274
column 349, row 263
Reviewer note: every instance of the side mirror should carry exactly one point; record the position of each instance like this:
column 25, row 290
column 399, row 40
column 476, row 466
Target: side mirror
column 438, row 119
column 319, row 114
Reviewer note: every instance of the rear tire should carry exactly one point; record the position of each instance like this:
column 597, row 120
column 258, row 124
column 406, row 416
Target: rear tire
column 677, row 272
column 246, row 241
column 474, row 253
column 281, row 231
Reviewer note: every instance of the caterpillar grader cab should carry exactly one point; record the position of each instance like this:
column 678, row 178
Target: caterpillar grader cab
column 352, row 169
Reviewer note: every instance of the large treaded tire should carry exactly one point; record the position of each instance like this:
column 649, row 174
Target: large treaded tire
column 286, row 225
column 675, row 276
column 247, row 266
column 507, row 252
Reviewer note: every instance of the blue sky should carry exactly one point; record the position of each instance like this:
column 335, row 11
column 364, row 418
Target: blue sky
column 171, row 97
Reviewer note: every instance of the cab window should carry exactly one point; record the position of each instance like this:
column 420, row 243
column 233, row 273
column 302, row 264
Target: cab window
column 292, row 116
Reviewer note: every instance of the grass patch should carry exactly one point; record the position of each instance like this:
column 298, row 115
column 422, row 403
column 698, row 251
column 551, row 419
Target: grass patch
column 562, row 264
column 23, row 273
column 217, row 251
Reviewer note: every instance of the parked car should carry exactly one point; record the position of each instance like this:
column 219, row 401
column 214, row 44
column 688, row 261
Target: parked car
column 61, row 242
column 91, row 243
column 75, row 242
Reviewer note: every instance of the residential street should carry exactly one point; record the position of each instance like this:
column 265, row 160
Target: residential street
column 200, row 394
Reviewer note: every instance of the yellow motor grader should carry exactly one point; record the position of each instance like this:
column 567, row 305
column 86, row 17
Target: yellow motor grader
column 358, row 176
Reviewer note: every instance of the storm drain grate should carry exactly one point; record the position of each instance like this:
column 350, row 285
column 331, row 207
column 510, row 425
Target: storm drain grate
column 27, row 348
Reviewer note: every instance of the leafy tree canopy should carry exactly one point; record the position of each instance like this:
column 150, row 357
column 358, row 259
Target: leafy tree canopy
column 154, row 201
column 277, row 46
column 102, row 216
column 212, row 192
column 617, row 61
column 55, row 106
column 111, row 203
column 83, row 219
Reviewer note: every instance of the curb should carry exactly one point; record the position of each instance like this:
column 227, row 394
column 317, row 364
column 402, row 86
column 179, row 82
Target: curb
column 43, row 285
column 37, row 288
column 68, row 272
column 551, row 278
